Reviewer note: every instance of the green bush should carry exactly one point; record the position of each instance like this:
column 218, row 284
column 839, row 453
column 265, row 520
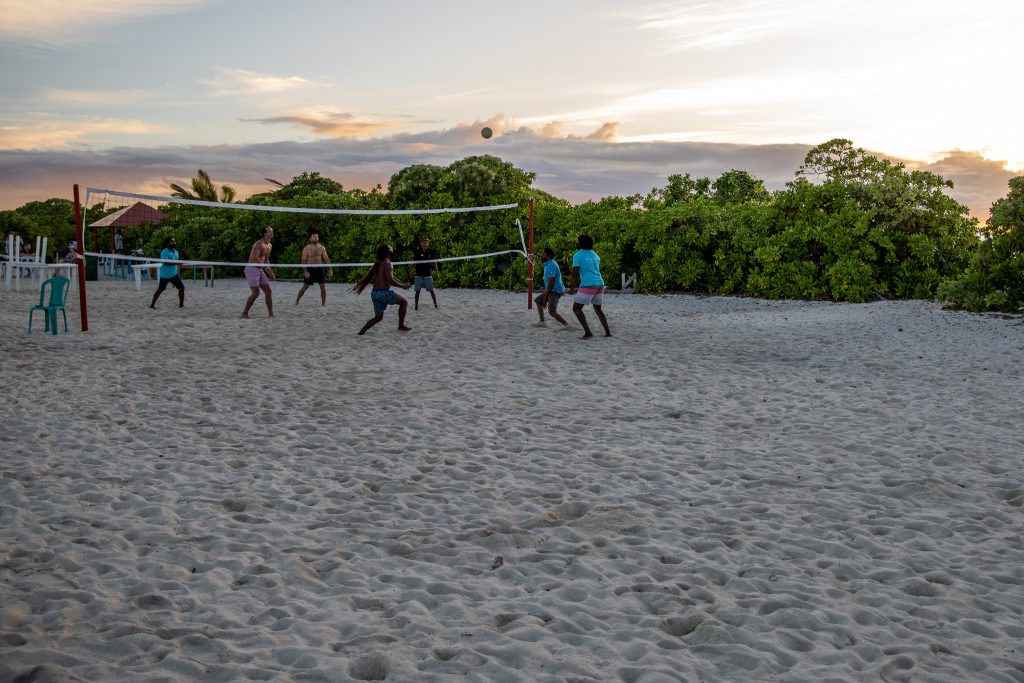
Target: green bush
column 994, row 281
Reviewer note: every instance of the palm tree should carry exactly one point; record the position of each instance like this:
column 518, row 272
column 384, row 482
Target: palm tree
column 204, row 190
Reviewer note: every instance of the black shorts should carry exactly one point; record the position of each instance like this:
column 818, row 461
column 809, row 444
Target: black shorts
column 553, row 300
column 164, row 281
column 316, row 275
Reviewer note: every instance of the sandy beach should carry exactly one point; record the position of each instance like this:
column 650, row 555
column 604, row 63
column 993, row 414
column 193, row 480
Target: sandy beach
column 725, row 490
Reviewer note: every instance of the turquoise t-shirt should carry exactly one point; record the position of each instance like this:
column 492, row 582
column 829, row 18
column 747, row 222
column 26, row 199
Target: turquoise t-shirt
column 589, row 264
column 551, row 270
column 166, row 270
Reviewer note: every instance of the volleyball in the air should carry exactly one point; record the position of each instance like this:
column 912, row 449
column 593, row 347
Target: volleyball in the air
column 486, row 132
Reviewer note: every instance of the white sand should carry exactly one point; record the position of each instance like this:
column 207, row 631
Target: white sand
column 727, row 490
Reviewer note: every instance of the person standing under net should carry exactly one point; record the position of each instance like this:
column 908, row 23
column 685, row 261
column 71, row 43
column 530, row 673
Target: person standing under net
column 425, row 271
column 314, row 252
column 169, row 273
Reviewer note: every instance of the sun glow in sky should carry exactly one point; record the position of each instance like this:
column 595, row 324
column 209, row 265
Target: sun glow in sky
column 598, row 97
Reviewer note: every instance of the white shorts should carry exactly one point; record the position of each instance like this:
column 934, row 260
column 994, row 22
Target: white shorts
column 590, row 295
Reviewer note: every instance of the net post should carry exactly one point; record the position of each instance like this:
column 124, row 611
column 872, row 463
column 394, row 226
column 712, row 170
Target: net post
column 529, row 281
column 80, row 234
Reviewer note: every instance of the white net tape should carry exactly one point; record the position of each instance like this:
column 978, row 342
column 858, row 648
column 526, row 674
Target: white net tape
column 92, row 194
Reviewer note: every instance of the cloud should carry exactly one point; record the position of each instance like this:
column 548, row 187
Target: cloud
column 96, row 98
column 333, row 124
column 977, row 181
column 606, row 133
column 59, row 21
column 577, row 168
column 716, row 25
column 242, row 82
column 51, row 134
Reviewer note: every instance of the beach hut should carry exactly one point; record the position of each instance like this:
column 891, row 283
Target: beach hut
column 128, row 217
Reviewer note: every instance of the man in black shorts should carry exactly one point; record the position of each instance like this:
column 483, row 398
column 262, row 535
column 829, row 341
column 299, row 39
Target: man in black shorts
column 169, row 272
column 314, row 252
column 425, row 271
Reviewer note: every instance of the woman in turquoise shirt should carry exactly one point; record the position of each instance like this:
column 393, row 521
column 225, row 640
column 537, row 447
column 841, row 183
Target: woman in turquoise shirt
column 169, row 272
column 589, row 285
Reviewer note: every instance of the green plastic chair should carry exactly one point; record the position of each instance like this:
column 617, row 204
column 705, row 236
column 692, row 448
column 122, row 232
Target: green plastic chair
column 58, row 287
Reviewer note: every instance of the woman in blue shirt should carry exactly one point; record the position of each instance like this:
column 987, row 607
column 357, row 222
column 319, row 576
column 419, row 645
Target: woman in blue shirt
column 589, row 285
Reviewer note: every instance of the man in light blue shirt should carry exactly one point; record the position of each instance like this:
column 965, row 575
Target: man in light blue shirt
column 553, row 289
column 169, row 273
column 589, row 285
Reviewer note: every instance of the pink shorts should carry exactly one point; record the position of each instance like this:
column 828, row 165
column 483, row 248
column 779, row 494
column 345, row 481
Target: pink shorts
column 590, row 295
column 256, row 276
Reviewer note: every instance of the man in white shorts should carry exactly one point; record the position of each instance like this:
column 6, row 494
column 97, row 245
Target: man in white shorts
column 258, row 270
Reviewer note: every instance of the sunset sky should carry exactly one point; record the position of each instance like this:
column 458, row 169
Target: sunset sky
column 598, row 97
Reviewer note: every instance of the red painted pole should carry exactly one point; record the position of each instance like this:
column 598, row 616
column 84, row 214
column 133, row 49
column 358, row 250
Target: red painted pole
column 529, row 286
column 80, row 234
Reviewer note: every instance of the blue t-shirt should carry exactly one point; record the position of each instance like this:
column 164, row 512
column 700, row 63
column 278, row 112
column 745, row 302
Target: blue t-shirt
column 166, row 270
column 589, row 264
column 551, row 270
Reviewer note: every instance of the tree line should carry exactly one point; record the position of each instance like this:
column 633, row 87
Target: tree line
column 849, row 227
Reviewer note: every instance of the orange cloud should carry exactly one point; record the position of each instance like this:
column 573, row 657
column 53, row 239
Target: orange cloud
column 59, row 134
column 977, row 181
column 332, row 124
column 608, row 132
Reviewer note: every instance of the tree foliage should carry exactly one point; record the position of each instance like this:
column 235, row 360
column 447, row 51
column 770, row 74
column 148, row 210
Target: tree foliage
column 994, row 280
column 53, row 219
column 849, row 227
column 203, row 189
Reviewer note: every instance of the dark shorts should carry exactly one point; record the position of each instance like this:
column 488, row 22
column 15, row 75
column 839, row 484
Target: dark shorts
column 424, row 282
column 316, row 275
column 382, row 298
column 164, row 281
column 552, row 301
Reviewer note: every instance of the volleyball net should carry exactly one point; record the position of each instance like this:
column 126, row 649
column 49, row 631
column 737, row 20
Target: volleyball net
column 115, row 211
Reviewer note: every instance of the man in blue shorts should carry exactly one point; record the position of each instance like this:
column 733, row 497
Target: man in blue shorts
column 588, row 284
column 382, row 275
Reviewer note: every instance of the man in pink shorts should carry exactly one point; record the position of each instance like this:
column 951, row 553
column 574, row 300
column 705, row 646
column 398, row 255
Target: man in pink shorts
column 588, row 284
column 257, row 274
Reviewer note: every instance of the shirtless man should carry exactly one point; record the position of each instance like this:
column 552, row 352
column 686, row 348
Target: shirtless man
column 314, row 252
column 382, row 275
column 256, row 275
